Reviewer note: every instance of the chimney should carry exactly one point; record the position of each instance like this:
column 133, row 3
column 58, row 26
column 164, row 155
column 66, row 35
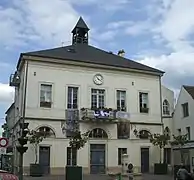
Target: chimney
column 121, row 53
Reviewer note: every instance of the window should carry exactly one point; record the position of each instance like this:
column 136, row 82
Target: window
column 185, row 108
column 71, row 156
column 121, row 151
column 98, row 133
column 143, row 102
column 166, row 107
column 121, row 100
column 144, row 134
column 98, row 98
column 188, row 133
column 167, row 155
column 45, row 95
column 46, row 131
column 72, row 98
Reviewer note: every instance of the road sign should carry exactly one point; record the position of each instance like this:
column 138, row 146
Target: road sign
column 3, row 142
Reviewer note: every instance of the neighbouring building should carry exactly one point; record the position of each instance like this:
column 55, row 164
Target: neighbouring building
column 167, row 120
column 82, row 87
column 183, row 124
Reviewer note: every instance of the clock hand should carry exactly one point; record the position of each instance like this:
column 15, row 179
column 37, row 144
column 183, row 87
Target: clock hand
column 99, row 78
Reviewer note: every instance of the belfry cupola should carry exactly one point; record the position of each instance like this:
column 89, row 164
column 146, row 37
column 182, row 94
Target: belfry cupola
column 80, row 32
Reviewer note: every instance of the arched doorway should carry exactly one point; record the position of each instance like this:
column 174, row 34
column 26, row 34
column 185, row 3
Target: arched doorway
column 98, row 151
column 44, row 151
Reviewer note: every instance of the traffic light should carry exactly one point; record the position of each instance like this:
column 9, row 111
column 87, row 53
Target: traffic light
column 23, row 140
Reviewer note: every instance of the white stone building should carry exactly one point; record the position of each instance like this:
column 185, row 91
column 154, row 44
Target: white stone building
column 60, row 88
column 183, row 124
column 167, row 120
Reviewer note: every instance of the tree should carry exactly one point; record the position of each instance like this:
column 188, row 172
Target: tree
column 180, row 141
column 35, row 138
column 79, row 139
column 159, row 140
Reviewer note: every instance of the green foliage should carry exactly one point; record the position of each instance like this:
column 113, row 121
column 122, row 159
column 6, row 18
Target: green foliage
column 79, row 140
column 180, row 141
column 160, row 140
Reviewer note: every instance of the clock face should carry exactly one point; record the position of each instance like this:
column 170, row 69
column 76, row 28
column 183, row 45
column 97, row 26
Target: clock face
column 98, row 79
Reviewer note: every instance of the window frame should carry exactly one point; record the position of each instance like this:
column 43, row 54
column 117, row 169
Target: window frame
column 120, row 108
column 45, row 104
column 71, row 160
column 185, row 111
column 72, row 97
column 166, row 107
column 188, row 129
column 98, row 94
column 121, row 151
column 143, row 109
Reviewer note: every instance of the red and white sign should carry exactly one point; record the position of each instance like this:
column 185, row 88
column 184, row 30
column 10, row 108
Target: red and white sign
column 3, row 142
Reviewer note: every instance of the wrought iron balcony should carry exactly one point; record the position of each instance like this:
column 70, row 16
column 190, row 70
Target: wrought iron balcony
column 98, row 115
column 14, row 79
column 122, row 115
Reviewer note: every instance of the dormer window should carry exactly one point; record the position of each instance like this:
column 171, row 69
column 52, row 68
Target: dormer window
column 166, row 107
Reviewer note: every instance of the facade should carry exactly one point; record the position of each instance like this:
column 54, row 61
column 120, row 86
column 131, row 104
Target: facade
column 82, row 87
column 183, row 124
column 167, row 120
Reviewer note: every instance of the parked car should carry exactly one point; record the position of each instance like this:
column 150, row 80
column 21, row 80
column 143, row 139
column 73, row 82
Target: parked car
column 4, row 175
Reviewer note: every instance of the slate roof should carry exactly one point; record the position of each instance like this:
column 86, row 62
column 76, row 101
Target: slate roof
column 89, row 54
column 190, row 90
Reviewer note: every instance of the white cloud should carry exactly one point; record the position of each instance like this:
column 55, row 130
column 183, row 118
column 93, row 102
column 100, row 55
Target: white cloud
column 6, row 94
column 118, row 24
column 107, row 36
column 41, row 21
column 176, row 26
column 108, row 5
column 138, row 28
column 178, row 20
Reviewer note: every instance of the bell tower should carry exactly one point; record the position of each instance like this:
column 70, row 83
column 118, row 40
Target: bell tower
column 80, row 32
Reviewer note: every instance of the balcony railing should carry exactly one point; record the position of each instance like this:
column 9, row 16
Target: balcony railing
column 14, row 80
column 98, row 115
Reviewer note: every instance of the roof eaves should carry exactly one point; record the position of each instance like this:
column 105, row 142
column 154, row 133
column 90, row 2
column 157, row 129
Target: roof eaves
column 10, row 107
column 155, row 71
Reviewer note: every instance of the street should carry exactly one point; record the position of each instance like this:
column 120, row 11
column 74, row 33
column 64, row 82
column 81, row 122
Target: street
column 104, row 177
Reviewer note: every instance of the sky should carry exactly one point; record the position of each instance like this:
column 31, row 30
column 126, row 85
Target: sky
column 158, row 33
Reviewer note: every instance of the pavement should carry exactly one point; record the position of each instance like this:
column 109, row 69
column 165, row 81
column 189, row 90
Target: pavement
column 104, row 177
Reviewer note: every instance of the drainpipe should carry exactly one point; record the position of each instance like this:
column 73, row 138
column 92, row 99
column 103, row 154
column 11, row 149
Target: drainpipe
column 161, row 103
column 160, row 84
column 24, row 95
